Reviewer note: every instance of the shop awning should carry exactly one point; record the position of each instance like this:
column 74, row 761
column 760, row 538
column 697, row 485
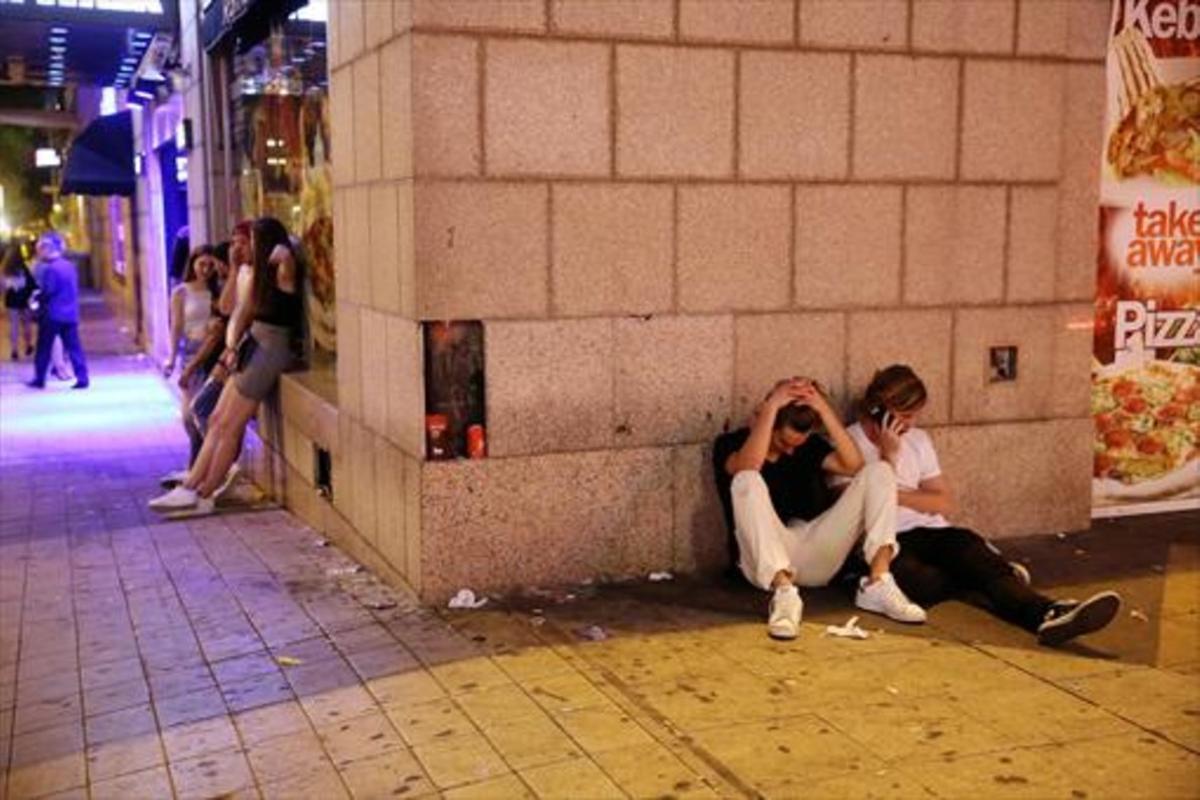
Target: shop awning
column 100, row 160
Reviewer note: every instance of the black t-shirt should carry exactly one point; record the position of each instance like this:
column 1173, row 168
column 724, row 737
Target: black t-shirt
column 796, row 482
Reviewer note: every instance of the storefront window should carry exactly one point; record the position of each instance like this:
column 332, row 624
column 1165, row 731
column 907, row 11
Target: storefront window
column 280, row 123
column 116, row 217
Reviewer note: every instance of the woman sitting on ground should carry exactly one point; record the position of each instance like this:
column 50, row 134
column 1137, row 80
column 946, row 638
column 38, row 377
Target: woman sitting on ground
column 938, row 561
column 274, row 307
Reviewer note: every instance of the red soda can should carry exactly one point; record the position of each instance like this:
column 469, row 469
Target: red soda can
column 476, row 443
column 436, row 430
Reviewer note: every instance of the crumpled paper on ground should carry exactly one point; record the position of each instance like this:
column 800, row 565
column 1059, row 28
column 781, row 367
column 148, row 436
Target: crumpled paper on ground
column 465, row 598
column 848, row 631
column 592, row 633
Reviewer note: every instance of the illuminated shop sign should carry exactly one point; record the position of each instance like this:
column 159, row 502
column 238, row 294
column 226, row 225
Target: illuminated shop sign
column 114, row 6
column 246, row 21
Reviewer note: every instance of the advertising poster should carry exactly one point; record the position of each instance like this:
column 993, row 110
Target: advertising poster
column 1146, row 365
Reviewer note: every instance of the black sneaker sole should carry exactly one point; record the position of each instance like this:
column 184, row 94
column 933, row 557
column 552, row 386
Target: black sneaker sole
column 1088, row 617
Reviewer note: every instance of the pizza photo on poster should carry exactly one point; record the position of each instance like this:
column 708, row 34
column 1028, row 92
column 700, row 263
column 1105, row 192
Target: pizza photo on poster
column 1146, row 347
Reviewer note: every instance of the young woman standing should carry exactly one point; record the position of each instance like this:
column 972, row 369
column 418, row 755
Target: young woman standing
column 272, row 309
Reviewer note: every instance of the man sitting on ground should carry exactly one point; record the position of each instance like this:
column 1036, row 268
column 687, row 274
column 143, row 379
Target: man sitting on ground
column 788, row 527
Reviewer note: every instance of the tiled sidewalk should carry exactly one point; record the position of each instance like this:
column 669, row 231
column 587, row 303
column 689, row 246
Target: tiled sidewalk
column 235, row 656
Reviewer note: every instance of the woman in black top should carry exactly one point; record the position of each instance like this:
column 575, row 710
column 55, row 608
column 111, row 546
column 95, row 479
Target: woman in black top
column 18, row 288
column 270, row 305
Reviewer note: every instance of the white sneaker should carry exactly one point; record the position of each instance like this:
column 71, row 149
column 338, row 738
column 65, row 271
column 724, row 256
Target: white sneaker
column 884, row 597
column 230, row 476
column 173, row 479
column 178, row 498
column 784, row 619
column 203, row 507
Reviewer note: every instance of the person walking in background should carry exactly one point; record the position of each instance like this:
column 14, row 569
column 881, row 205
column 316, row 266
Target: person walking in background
column 58, row 285
column 939, row 561
column 191, row 315
column 18, row 288
column 272, row 308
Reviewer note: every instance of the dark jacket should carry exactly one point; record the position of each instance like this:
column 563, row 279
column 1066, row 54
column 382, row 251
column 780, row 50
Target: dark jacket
column 59, row 282
column 18, row 286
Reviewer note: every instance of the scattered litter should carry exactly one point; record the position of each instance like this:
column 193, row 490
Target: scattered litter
column 848, row 631
column 380, row 603
column 1158, row 568
column 1136, row 614
column 659, row 577
column 1060, row 536
column 892, row 690
column 353, row 569
column 566, row 598
column 593, row 633
column 288, row 661
column 537, row 612
column 1079, row 551
column 321, row 543
column 587, row 581
column 537, row 622
column 466, row 599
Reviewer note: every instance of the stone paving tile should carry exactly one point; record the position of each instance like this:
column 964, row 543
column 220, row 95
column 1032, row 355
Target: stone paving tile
column 459, row 760
column 148, row 783
column 191, row 739
column 396, row 774
column 213, row 775
column 574, row 778
column 506, row 786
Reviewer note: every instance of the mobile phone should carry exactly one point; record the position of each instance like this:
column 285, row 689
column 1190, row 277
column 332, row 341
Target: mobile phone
column 878, row 413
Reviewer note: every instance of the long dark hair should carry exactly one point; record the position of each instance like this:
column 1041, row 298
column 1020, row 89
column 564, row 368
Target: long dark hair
column 268, row 233
column 13, row 261
column 189, row 272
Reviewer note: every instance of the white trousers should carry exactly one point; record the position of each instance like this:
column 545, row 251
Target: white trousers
column 814, row 550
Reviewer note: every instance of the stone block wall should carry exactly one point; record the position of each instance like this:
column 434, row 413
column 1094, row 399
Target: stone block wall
column 659, row 207
column 376, row 435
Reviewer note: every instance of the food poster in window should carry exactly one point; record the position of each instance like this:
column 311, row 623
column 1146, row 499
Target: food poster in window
column 316, row 217
column 281, row 125
column 1146, row 365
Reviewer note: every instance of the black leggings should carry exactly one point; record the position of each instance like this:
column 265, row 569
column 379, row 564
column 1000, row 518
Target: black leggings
column 937, row 564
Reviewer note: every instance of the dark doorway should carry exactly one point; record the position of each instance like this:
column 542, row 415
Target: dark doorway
column 173, row 167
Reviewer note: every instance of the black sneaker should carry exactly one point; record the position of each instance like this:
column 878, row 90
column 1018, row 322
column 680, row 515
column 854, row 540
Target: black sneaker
column 81, row 385
column 1069, row 618
column 36, row 384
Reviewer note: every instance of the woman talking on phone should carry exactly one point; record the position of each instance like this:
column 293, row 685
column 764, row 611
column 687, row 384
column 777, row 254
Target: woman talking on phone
column 938, row 561
column 271, row 307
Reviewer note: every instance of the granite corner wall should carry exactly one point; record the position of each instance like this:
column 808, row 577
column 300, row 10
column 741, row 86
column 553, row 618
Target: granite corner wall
column 630, row 199
column 375, row 435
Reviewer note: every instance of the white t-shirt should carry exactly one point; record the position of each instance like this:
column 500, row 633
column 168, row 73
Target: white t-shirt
column 917, row 461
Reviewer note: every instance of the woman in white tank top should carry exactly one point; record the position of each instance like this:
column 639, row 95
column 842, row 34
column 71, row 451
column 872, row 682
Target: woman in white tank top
column 191, row 307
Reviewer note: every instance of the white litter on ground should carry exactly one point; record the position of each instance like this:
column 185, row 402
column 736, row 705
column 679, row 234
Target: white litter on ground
column 659, row 577
column 593, row 633
column 1136, row 614
column 465, row 598
column 848, row 631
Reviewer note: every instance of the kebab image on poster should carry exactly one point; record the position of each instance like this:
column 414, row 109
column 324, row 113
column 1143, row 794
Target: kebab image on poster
column 1146, row 365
